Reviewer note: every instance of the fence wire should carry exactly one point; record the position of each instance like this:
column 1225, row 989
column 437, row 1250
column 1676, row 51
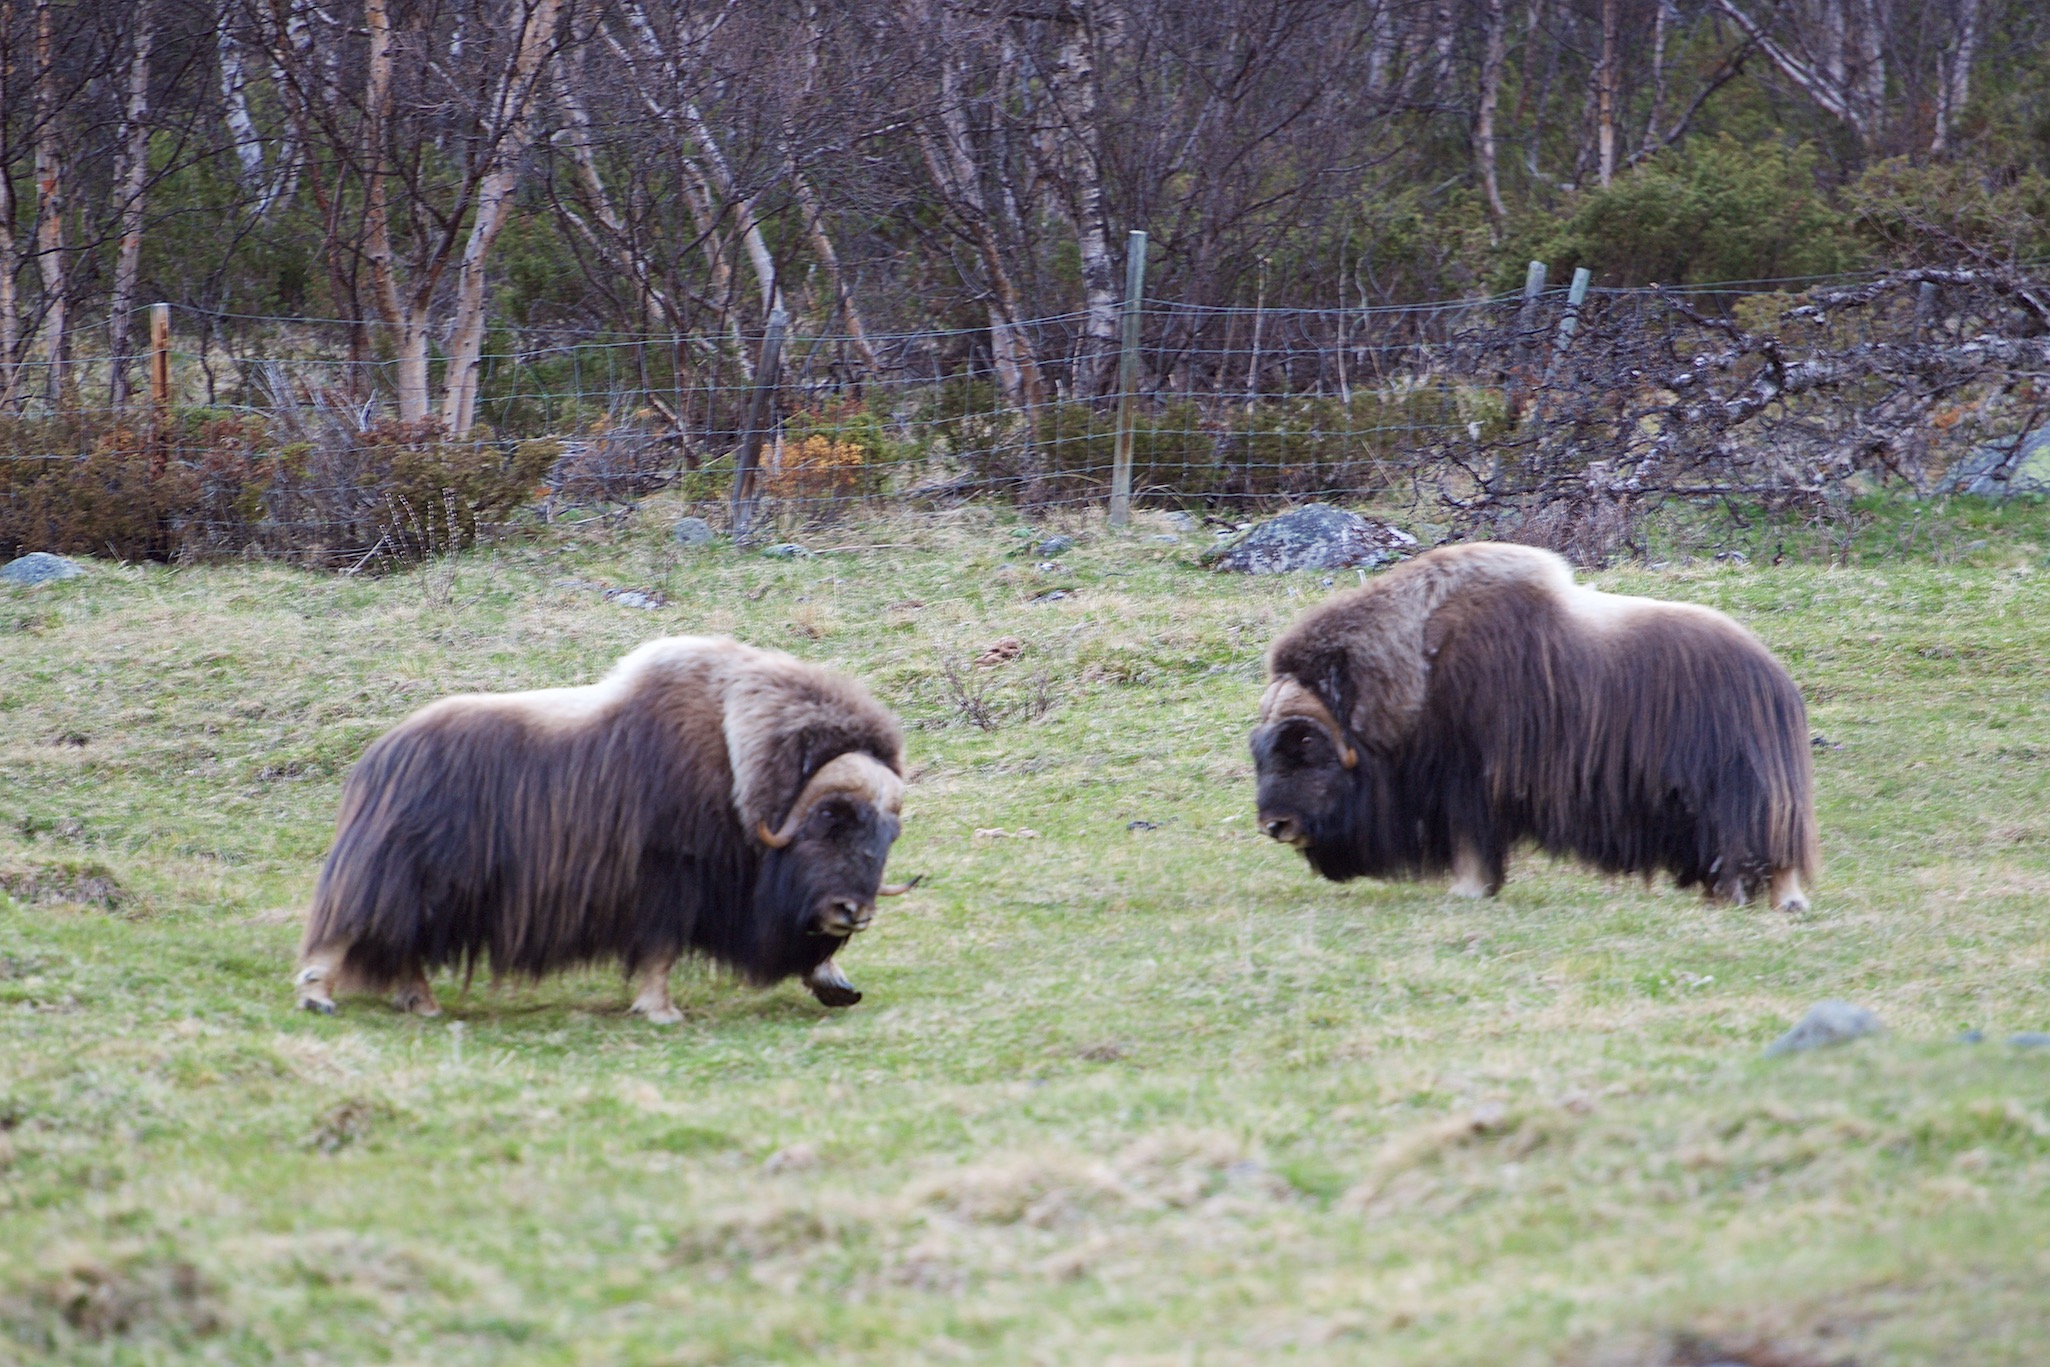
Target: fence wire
column 1510, row 415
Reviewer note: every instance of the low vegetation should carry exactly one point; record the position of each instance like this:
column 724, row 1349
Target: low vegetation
column 1129, row 1085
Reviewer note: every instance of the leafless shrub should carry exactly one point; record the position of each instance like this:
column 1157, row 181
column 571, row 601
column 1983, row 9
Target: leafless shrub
column 969, row 692
column 618, row 467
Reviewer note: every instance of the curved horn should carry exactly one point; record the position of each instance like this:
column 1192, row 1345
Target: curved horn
column 899, row 889
column 1286, row 697
column 854, row 774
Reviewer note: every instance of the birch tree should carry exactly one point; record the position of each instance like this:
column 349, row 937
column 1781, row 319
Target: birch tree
column 131, row 182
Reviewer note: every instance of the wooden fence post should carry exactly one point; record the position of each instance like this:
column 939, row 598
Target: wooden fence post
column 1517, row 392
column 748, row 464
column 1576, row 295
column 1128, row 379
column 160, row 358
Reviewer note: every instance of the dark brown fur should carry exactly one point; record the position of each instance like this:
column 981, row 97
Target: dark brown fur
column 1490, row 701
column 615, row 822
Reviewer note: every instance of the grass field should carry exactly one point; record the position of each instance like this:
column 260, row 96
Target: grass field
column 1117, row 1094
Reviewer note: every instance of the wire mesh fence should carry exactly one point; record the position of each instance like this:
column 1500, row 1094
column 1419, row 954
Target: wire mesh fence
column 1527, row 416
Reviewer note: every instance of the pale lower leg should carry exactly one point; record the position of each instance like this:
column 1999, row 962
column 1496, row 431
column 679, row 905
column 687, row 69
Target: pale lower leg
column 831, row 986
column 1786, row 890
column 651, row 994
column 319, row 972
column 1472, row 876
column 415, row 995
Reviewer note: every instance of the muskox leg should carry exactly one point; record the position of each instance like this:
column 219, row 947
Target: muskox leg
column 318, row 975
column 1786, row 890
column 651, row 993
column 414, row 994
column 830, row 985
column 1474, row 874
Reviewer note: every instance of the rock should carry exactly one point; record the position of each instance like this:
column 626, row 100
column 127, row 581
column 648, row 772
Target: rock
column 796, row 1158
column 1056, row 545
column 2030, row 1039
column 1169, row 537
column 692, row 531
column 39, row 567
column 1313, row 537
column 788, row 550
column 1050, row 596
column 1733, row 557
column 1972, row 1037
column 1830, row 1022
column 1182, row 522
column 2001, row 469
column 1142, row 825
column 636, row 598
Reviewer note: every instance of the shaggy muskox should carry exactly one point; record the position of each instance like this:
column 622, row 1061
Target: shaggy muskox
column 703, row 797
column 1477, row 697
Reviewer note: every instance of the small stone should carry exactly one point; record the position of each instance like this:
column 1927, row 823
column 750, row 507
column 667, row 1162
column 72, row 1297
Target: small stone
column 636, row 598
column 1142, row 825
column 692, row 531
column 1168, row 537
column 1050, row 596
column 39, row 567
column 1046, row 566
column 1972, row 1037
column 1733, row 557
column 2030, row 1039
column 1056, row 545
column 787, row 550
column 796, row 1158
column 1829, row 1022
column 1182, row 522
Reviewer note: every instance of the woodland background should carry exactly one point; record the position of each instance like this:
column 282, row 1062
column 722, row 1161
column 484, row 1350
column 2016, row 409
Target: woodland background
column 442, row 193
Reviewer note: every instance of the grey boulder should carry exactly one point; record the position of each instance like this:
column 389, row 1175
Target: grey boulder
column 1830, row 1022
column 1316, row 536
column 692, row 531
column 38, row 567
column 2000, row 469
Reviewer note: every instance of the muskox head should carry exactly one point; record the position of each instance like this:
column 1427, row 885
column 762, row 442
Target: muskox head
column 1308, row 771
column 822, row 870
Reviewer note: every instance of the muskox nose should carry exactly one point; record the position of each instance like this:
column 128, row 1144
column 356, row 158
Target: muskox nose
column 844, row 916
column 1282, row 828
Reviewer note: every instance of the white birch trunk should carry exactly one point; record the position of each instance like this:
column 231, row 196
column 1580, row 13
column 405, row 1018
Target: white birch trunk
column 407, row 317
column 52, row 247
column 1072, row 86
column 1494, row 53
column 516, row 111
column 131, row 182
column 1954, row 78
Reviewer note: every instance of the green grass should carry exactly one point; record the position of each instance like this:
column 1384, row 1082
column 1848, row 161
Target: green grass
column 1116, row 1094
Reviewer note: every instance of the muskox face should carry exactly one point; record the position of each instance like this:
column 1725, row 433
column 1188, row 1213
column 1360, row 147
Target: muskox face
column 1309, row 773
column 823, row 870
column 829, row 875
column 1305, row 785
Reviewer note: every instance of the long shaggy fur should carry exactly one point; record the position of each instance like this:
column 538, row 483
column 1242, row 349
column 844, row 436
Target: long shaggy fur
column 615, row 821
column 1489, row 700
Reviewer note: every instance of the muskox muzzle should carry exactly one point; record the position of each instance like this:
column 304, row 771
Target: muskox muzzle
column 1305, row 763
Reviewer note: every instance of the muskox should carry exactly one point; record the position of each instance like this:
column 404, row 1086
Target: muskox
column 704, row 797
column 1476, row 697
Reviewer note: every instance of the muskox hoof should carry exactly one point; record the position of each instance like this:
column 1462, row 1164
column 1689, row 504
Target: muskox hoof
column 830, row 985
column 658, row 1015
column 835, row 994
